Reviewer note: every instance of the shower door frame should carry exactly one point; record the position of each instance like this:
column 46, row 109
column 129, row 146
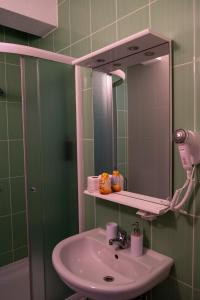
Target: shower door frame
column 10, row 48
column 27, row 51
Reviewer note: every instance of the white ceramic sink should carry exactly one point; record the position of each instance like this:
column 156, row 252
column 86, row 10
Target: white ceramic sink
column 84, row 261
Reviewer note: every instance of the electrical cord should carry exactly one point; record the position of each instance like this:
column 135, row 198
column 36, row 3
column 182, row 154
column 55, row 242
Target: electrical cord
column 176, row 203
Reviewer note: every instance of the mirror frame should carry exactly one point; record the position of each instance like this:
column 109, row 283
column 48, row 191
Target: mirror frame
column 145, row 39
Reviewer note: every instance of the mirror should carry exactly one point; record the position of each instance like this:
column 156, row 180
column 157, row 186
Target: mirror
column 132, row 117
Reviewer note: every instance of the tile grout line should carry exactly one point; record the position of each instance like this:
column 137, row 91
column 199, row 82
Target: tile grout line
column 99, row 30
column 14, row 177
column 149, row 13
column 183, row 64
column 116, row 15
column 180, row 281
column 70, row 29
column 133, row 12
column 90, row 36
column 12, row 140
column 18, row 248
column 13, row 214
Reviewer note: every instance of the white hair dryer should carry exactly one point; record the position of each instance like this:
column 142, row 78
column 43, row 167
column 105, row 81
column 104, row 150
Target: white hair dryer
column 189, row 148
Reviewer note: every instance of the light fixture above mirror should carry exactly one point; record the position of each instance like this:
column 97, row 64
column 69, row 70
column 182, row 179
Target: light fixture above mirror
column 146, row 44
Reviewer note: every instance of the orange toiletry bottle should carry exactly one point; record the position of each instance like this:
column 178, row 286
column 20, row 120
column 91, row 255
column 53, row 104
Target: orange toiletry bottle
column 116, row 181
column 105, row 184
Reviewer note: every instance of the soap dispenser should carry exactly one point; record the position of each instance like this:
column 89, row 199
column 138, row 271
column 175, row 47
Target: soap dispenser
column 136, row 240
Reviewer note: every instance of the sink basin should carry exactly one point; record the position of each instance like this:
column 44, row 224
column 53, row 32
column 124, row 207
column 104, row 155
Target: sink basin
column 88, row 265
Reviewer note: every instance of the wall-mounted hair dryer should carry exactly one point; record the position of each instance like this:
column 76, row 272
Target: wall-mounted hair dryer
column 189, row 148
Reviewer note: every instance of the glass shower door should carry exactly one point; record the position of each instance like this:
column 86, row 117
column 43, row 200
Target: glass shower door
column 51, row 177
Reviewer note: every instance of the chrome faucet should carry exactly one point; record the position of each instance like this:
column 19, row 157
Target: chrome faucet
column 122, row 239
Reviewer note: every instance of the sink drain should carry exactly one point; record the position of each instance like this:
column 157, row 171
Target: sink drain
column 108, row 278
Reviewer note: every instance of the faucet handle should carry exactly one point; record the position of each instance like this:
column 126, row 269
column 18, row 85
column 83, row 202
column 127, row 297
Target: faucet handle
column 123, row 237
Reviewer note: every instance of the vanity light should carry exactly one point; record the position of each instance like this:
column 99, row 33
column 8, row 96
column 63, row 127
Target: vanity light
column 149, row 53
column 133, row 48
column 151, row 61
column 100, row 60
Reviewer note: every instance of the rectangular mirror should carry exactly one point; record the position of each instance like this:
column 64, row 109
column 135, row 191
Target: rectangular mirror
column 132, row 116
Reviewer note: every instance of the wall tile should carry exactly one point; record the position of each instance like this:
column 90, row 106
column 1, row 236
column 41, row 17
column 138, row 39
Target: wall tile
column 86, row 74
column 5, row 234
column 174, row 19
column 4, row 170
column 81, row 48
column 47, row 42
column 121, row 150
column 121, row 120
column 18, row 194
column 20, row 253
column 5, row 197
column 196, row 253
column 66, row 51
column 62, row 34
column 106, row 211
column 104, row 37
column 169, row 234
column 98, row 9
column 120, row 96
column 15, row 120
column 125, row 7
column 13, row 92
column 19, row 225
column 3, row 121
column 172, row 289
column 183, row 97
column 5, row 258
column 79, row 10
column 2, row 81
column 89, row 212
column 16, row 158
column 88, row 159
column 133, row 23
column 12, row 59
column 88, row 114
column 197, row 27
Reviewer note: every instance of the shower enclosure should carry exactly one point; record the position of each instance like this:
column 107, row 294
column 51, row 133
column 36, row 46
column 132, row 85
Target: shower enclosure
column 44, row 155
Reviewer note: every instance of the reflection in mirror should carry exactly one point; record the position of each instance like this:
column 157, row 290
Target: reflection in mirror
column 132, row 123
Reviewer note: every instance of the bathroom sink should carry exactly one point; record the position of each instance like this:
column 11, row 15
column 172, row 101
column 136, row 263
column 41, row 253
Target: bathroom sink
column 88, row 265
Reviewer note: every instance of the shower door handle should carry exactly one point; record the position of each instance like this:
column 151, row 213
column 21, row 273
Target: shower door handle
column 33, row 189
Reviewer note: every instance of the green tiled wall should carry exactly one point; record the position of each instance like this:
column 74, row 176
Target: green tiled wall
column 13, row 231
column 86, row 25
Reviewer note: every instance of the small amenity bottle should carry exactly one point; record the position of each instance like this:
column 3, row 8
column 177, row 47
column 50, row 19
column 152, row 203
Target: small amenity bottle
column 136, row 240
column 105, row 184
column 117, row 181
